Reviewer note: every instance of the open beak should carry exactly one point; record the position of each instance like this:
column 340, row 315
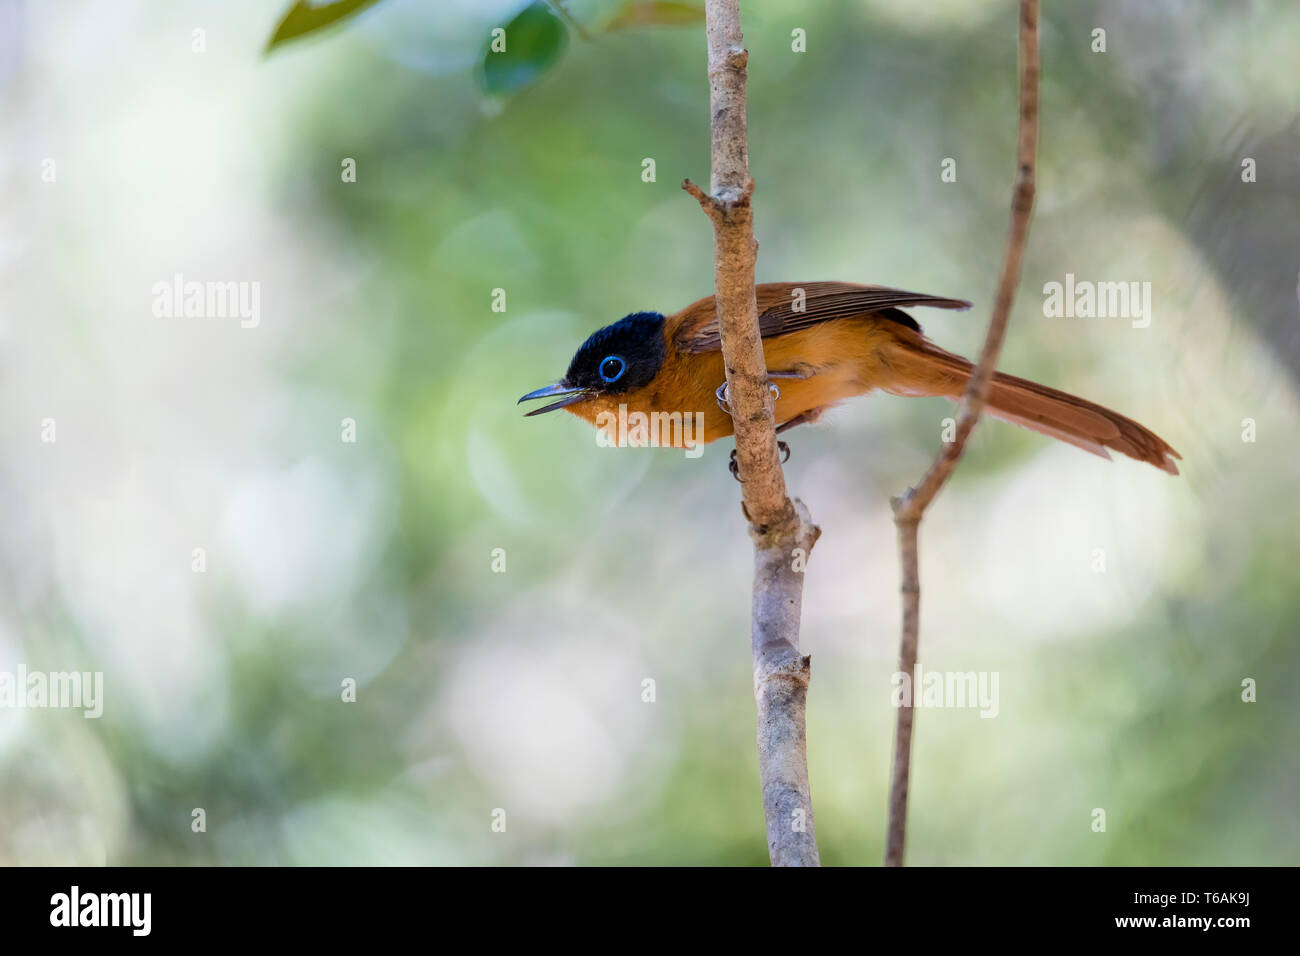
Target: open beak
column 570, row 394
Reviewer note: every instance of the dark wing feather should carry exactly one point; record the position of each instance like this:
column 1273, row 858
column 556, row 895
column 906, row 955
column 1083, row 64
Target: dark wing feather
column 823, row 301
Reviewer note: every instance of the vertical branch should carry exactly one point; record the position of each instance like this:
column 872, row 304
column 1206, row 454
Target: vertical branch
column 910, row 507
column 782, row 531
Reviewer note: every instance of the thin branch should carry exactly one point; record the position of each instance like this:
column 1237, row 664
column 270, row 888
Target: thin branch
column 910, row 507
column 782, row 531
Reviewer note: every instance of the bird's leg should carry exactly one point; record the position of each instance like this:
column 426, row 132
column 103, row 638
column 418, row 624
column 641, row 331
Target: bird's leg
column 721, row 395
column 803, row 418
column 799, row 371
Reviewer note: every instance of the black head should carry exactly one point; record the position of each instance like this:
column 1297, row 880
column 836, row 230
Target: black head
column 614, row 360
column 620, row 357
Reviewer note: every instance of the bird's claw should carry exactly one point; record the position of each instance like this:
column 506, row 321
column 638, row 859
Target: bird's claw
column 721, row 396
column 733, row 465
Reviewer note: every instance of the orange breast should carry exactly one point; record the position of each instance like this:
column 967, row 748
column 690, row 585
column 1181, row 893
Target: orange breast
column 844, row 355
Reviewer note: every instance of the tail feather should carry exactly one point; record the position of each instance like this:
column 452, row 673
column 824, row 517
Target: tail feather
column 925, row 369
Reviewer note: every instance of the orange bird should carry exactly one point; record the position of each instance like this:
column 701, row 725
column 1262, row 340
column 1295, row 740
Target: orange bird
column 823, row 342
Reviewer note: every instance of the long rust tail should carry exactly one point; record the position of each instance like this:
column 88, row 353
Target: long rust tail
column 922, row 368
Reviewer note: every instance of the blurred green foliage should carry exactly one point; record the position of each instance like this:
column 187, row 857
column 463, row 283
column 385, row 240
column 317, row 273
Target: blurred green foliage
column 536, row 38
column 305, row 18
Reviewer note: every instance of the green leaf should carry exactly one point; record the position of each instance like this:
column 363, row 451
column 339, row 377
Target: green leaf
column 534, row 40
column 303, row 18
column 647, row 13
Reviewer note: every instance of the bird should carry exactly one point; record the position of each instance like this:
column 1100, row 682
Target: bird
column 823, row 343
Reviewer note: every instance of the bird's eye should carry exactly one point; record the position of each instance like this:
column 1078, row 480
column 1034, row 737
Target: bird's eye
column 612, row 368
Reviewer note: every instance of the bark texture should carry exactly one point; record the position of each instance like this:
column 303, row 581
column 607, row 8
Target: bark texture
column 782, row 531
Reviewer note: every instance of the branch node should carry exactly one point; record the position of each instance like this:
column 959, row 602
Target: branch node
column 776, row 525
column 782, row 662
column 712, row 206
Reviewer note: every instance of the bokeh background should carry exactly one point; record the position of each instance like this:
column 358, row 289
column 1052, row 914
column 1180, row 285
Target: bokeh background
column 522, row 690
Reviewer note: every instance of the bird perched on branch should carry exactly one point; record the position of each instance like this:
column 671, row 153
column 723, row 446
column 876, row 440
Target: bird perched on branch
column 823, row 342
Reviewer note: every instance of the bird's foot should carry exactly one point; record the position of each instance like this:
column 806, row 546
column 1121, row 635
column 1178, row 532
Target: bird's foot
column 721, row 395
column 733, row 466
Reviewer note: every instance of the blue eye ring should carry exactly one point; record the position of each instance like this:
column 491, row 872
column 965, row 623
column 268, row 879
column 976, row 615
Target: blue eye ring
column 606, row 375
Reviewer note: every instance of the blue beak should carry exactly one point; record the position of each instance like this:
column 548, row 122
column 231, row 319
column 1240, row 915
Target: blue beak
column 570, row 395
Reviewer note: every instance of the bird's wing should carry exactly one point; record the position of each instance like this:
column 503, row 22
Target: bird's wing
column 783, row 309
